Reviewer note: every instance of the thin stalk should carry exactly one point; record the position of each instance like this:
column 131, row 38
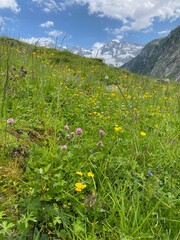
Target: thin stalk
column 5, row 85
column 126, row 102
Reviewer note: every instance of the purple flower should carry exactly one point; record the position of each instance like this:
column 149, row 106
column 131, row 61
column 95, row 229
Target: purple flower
column 150, row 173
column 79, row 131
column 64, row 147
column 66, row 127
column 101, row 132
column 10, row 121
column 100, row 143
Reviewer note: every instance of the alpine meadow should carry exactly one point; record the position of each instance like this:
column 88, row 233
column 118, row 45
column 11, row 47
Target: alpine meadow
column 88, row 151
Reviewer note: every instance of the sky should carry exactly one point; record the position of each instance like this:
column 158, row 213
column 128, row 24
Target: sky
column 88, row 23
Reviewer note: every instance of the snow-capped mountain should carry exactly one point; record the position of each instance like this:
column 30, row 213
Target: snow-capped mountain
column 81, row 51
column 114, row 53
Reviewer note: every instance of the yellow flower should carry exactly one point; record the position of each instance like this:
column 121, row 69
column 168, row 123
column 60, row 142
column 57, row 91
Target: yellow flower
column 118, row 129
column 143, row 134
column 90, row 174
column 79, row 173
column 80, row 186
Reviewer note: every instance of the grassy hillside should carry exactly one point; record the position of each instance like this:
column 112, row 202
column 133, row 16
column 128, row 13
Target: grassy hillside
column 87, row 151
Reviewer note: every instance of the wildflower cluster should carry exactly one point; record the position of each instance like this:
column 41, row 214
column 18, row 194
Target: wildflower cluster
column 69, row 135
column 114, row 147
column 118, row 129
column 79, row 186
column 101, row 134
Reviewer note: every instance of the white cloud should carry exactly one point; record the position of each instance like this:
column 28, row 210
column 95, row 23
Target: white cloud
column 38, row 41
column 96, row 47
column 48, row 5
column 165, row 32
column 47, row 24
column 147, row 30
column 43, row 42
column 2, row 23
column 119, row 37
column 134, row 15
column 11, row 4
column 55, row 33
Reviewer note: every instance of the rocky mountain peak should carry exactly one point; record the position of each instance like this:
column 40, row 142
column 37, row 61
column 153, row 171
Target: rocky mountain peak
column 114, row 53
column 159, row 58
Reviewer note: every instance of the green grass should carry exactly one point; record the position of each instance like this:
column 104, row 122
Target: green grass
column 132, row 191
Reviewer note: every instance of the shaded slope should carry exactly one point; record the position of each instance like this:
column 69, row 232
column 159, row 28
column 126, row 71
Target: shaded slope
column 160, row 57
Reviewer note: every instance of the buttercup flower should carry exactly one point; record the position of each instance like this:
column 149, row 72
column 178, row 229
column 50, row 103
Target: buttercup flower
column 90, row 174
column 79, row 173
column 118, row 129
column 79, row 131
column 143, row 134
column 10, row 121
column 80, row 186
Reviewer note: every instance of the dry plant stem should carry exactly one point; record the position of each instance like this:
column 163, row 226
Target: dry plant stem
column 126, row 102
column 5, row 84
column 127, row 106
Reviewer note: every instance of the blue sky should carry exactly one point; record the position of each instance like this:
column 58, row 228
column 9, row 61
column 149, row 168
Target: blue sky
column 88, row 23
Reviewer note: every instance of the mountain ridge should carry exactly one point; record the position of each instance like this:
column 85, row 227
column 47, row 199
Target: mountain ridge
column 159, row 58
column 114, row 53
